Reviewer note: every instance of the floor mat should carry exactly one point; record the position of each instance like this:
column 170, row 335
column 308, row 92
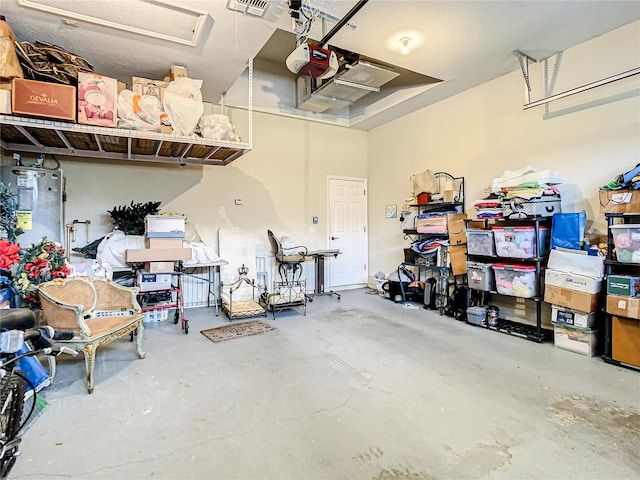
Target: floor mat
column 237, row 330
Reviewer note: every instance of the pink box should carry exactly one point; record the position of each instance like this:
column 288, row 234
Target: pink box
column 97, row 100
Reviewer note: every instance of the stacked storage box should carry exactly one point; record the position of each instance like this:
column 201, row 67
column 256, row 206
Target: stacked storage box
column 623, row 296
column 164, row 236
column 573, row 282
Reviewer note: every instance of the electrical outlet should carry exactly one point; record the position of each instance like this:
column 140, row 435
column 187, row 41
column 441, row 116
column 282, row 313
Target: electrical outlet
column 239, row 201
column 315, row 220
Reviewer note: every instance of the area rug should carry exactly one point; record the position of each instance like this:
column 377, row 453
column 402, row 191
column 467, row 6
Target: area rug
column 237, row 330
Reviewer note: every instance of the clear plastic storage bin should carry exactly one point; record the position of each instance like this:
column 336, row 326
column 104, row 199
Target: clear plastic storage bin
column 579, row 340
column 516, row 280
column 480, row 242
column 480, row 276
column 520, row 242
column 477, row 315
column 627, row 240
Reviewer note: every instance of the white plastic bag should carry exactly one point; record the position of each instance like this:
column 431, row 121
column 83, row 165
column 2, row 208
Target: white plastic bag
column 217, row 127
column 424, row 182
column 114, row 246
column 139, row 112
column 183, row 103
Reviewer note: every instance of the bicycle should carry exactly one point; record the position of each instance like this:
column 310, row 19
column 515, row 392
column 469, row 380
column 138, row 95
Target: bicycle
column 19, row 323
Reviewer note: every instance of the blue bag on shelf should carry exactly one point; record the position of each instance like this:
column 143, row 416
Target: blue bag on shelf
column 567, row 230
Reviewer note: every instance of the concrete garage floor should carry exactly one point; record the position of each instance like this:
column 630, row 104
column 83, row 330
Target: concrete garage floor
column 358, row 389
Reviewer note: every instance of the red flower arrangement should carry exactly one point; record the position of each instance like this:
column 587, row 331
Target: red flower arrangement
column 9, row 254
column 40, row 262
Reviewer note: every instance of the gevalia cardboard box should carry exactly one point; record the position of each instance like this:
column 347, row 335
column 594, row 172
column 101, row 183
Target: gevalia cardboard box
column 97, row 100
column 157, row 254
column 42, row 99
column 619, row 201
column 625, row 340
column 628, row 307
column 581, row 301
column 163, row 242
column 159, row 267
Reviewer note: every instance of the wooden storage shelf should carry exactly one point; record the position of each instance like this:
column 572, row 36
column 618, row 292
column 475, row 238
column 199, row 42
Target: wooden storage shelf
column 25, row 134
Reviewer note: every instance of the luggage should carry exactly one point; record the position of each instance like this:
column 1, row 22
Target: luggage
column 544, row 206
column 458, row 303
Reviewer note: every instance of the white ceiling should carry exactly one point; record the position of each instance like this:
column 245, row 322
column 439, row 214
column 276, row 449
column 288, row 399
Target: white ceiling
column 463, row 43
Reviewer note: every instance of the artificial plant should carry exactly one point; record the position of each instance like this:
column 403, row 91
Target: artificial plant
column 130, row 218
column 8, row 213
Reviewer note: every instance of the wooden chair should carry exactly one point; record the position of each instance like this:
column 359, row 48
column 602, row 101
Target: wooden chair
column 96, row 309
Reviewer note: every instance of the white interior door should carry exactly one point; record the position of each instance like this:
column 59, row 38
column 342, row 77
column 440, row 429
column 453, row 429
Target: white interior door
column 348, row 231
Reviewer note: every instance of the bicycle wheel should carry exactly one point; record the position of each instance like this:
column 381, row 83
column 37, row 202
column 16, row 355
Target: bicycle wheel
column 11, row 404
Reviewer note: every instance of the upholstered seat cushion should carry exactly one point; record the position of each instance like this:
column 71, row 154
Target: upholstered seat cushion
column 104, row 325
column 297, row 258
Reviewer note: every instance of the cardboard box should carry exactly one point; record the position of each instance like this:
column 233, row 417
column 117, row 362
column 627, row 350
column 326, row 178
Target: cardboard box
column 625, row 340
column 163, row 242
column 177, row 71
column 584, row 302
column 628, row 307
column 456, row 228
column 42, row 99
column 623, row 285
column 4, row 85
column 153, row 281
column 580, row 283
column 569, row 316
column 166, row 129
column 97, row 100
column 157, row 254
column 576, row 262
column 147, row 86
column 619, row 201
column 159, row 267
column 458, row 259
column 5, row 102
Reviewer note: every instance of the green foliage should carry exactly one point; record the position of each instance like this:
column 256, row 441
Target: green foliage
column 130, row 218
column 8, row 215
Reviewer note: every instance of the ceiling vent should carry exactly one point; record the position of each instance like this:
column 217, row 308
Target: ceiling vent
column 343, row 90
column 251, row 7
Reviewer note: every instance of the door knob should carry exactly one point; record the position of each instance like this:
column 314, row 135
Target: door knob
column 335, row 238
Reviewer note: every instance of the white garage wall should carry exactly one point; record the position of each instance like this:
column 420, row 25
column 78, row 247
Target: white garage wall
column 480, row 133
column 282, row 182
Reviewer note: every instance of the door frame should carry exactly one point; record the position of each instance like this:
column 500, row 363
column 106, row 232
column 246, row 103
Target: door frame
column 366, row 220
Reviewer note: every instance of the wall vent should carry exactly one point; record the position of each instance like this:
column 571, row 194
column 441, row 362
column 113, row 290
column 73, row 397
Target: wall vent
column 251, row 7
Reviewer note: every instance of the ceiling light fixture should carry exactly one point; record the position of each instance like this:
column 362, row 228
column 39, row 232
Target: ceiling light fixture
column 405, row 45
